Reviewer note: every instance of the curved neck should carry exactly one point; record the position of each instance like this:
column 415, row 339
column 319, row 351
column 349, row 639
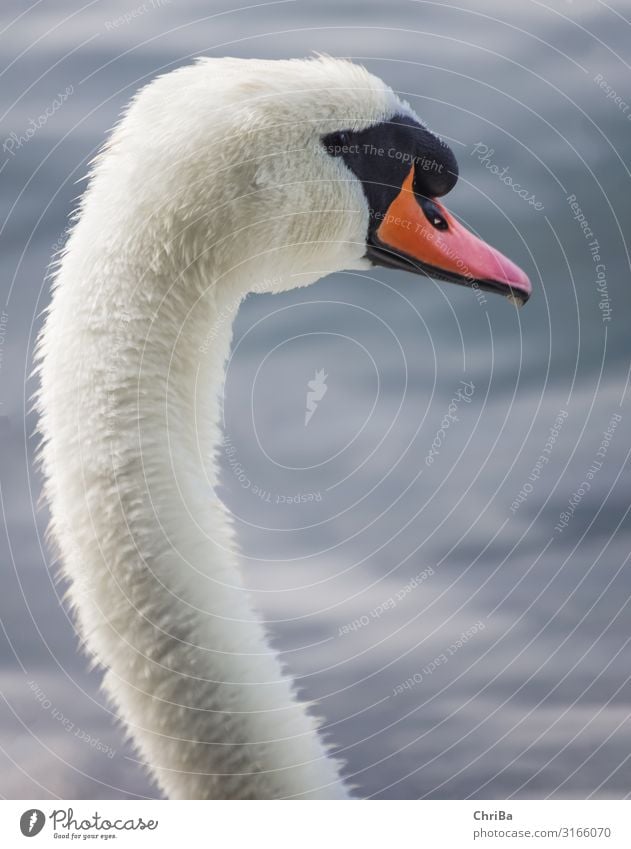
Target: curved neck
column 132, row 371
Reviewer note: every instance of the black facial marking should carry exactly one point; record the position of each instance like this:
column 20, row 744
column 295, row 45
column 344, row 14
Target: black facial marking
column 337, row 142
column 382, row 156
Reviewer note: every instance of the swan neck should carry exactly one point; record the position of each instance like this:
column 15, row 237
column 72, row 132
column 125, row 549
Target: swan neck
column 133, row 359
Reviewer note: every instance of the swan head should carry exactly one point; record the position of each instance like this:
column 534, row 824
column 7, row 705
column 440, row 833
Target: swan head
column 295, row 168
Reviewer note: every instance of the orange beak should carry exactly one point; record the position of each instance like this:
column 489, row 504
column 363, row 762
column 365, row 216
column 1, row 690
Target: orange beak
column 419, row 234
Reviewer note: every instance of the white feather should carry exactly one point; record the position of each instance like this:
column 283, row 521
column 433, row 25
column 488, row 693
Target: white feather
column 214, row 183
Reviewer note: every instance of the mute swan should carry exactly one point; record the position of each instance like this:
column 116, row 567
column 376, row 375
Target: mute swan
column 223, row 177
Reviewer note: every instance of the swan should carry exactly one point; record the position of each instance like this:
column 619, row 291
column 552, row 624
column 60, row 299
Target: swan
column 223, row 177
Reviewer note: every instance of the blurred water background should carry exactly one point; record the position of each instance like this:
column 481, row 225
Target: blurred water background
column 462, row 640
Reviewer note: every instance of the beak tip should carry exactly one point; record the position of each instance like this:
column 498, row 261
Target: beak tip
column 517, row 281
column 518, row 297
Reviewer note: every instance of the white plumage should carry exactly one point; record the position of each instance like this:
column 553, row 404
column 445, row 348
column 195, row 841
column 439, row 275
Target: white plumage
column 214, row 183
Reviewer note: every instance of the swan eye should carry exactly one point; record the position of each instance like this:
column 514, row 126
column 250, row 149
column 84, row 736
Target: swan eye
column 433, row 214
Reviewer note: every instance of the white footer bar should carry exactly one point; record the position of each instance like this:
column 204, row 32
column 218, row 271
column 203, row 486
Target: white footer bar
column 317, row 825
